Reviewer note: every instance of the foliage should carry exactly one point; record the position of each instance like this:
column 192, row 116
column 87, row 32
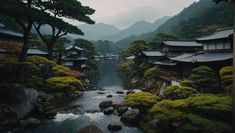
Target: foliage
column 89, row 48
column 199, row 113
column 151, row 72
column 204, row 79
column 127, row 68
column 66, row 83
column 226, row 74
column 178, row 92
column 134, row 48
column 141, row 100
column 60, row 70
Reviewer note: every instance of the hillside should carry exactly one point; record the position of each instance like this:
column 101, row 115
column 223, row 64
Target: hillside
column 137, row 28
column 200, row 18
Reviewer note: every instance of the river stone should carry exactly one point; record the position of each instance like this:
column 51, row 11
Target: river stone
column 90, row 129
column 109, row 111
column 116, row 105
column 131, row 117
column 101, row 93
column 122, row 109
column 120, row 92
column 105, row 104
column 30, row 122
column 109, row 96
column 114, row 127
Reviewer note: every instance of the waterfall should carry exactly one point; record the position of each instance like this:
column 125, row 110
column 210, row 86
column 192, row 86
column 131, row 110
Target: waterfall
column 164, row 85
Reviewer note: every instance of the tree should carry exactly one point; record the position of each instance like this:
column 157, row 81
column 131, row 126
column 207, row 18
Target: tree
column 233, row 89
column 203, row 79
column 70, row 9
column 135, row 47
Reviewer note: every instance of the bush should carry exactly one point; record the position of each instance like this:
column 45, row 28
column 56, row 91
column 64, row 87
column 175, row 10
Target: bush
column 177, row 92
column 204, row 79
column 59, row 70
column 66, row 83
column 199, row 113
column 226, row 74
column 141, row 100
column 151, row 72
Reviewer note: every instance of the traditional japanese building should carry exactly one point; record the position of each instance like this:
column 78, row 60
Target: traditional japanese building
column 174, row 48
column 36, row 51
column 10, row 42
column 74, row 58
column 149, row 57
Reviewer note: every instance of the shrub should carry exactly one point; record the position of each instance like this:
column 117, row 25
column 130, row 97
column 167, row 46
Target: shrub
column 59, row 70
column 204, row 79
column 177, row 92
column 38, row 60
column 151, row 72
column 141, row 100
column 66, row 83
column 227, row 78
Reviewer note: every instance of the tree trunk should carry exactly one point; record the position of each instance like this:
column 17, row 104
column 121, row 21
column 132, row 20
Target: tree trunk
column 233, row 89
column 23, row 54
column 50, row 51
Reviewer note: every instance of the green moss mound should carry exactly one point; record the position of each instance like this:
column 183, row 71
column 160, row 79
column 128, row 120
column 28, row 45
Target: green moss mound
column 64, row 83
column 60, row 70
column 178, row 92
column 141, row 100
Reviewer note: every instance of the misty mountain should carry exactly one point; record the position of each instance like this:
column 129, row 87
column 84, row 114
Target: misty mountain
column 97, row 31
column 137, row 28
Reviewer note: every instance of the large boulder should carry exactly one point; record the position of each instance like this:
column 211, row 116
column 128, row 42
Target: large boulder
column 122, row 109
column 131, row 117
column 114, row 127
column 109, row 111
column 90, row 129
column 105, row 104
column 30, row 122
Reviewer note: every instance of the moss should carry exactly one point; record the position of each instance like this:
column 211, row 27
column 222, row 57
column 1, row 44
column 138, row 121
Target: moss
column 64, row 83
column 150, row 72
column 226, row 79
column 59, row 70
column 141, row 100
column 37, row 60
column 177, row 92
column 226, row 70
column 197, row 124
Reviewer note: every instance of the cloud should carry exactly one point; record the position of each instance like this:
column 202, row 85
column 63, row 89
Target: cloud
column 123, row 13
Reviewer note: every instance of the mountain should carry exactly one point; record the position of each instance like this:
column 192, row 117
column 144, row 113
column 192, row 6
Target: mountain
column 137, row 28
column 97, row 31
column 199, row 19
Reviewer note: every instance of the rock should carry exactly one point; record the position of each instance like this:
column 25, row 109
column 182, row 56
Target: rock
column 109, row 111
column 50, row 112
column 105, row 104
column 122, row 109
column 120, row 92
column 90, row 129
column 130, row 92
column 114, row 127
column 30, row 122
column 76, row 94
column 101, row 89
column 131, row 117
column 101, row 93
column 109, row 96
column 116, row 105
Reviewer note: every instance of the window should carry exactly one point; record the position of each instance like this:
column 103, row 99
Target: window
column 227, row 45
column 205, row 46
column 211, row 46
column 219, row 46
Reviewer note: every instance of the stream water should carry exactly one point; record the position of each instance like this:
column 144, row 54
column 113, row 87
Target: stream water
column 85, row 110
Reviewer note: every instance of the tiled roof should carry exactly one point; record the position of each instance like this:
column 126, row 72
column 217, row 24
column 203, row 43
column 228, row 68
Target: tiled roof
column 182, row 43
column 36, row 51
column 72, row 46
column 219, row 34
column 153, row 53
column 204, row 57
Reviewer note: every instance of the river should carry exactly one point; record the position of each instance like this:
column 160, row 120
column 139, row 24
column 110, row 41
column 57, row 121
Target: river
column 85, row 110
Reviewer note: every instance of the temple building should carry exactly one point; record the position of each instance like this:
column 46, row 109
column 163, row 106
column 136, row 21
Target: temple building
column 74, row 58
column 36, row 51
column 149, row 57
column 10, row 42
column 174, row 48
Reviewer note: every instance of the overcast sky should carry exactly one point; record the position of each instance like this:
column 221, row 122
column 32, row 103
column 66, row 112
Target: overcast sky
column 123, row 13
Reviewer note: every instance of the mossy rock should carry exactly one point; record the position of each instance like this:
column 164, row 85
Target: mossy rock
column 66, row 83
column 141, row 100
